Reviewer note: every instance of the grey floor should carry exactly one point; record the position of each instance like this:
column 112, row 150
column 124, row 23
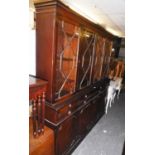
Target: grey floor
column 107, row 136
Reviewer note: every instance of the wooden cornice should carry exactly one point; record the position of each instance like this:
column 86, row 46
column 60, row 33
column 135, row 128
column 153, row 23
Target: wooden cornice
column 57, row 3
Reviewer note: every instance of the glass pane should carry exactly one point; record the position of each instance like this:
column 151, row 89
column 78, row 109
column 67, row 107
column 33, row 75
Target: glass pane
column 98, row 58
column 66, row 65
column 108, row 50
column 85, row 58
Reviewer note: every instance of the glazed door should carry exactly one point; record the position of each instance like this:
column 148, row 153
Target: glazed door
column 66, row 59
column 106, row 63
column 98, row 58
column 85, row 59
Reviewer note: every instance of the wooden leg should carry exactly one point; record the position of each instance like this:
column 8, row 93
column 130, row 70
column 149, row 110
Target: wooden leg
column 34, row 109
column 39, row 114
column 43, row 111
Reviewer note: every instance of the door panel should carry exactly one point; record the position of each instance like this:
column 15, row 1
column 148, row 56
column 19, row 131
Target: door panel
column 66, row 135
column 85, row 59
column 67, row 54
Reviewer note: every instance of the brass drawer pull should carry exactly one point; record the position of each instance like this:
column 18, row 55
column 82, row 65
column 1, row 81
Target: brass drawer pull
column 69, row 112
column 81, row 111
column 60, row 128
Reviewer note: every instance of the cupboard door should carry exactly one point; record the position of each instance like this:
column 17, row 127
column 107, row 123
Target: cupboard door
column 83, row 121
column 66, row 62
column 93, row 113
column 106, row 63
column 101, row 105
column 85, row 118
column 86, row 49
column 66, row 135
column 98, row 58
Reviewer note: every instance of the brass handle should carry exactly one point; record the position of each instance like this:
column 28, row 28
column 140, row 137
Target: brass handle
column 81, row 111
column 60, row 128
column 85, row 102
column 69, row 112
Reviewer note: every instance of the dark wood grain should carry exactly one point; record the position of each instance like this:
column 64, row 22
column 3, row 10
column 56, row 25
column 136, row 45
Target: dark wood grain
column 36, row 87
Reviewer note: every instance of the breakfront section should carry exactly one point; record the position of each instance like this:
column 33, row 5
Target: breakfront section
column 46, row 45
column 73, row 55
column 70, row 53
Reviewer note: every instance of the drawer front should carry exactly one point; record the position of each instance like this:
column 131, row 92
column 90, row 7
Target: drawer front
column 63, row 112
column 68, row 110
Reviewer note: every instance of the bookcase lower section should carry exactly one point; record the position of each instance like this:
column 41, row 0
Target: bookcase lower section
column 74, row 126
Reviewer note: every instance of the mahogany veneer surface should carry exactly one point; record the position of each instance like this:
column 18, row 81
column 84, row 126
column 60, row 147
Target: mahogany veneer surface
column 36, row 87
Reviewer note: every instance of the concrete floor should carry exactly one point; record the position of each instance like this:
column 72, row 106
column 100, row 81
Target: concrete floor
column 107, row 136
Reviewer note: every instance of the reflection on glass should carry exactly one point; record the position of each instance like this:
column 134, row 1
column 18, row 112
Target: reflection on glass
column 98, row 58
column 108, row 50
column 85, row 57
column 66, row 65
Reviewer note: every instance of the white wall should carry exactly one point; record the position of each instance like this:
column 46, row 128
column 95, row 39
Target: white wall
column 32, row 52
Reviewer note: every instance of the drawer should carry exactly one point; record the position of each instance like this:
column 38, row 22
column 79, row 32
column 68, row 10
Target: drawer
column 63, row 112
column 90, row 96
column 74, row 106
column 68, row 110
